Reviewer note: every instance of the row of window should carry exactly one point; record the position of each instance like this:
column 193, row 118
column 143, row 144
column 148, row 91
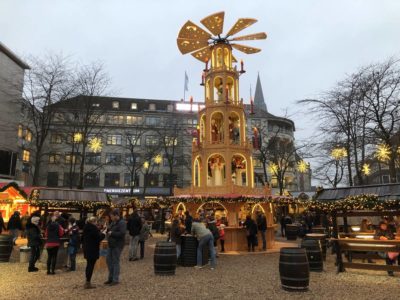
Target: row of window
column 110, row 180
column 116, row 139
column 134, row 106
column 92, row 158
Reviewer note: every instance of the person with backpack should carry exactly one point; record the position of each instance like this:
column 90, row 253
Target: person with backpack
column 143, row 236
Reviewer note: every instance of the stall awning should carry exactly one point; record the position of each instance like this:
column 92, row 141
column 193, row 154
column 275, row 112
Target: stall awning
column 68, row 198
column 382, row 191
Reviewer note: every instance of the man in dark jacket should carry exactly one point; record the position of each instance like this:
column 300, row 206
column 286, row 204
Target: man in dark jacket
column 134, row 227
column 188, row 222
column 91, row 248
column 116, row 240
column 34, row 241
column 2, row 226
column 262, row 226
column 14, row 225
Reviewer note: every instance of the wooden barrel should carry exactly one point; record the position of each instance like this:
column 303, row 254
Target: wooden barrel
column 292, row 230
column 6, row 247
column 165, row 258
column 314, row 254
column 318, row 229
column 189, row 251
column 294, row 269
column 322, row 238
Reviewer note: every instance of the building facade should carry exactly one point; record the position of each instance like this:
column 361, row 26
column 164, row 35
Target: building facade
column 136, row 147
column 14, row 136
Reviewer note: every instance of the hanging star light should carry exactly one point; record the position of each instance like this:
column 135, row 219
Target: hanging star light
column 158, row 159
column 302, row 166
column 78, row 137
column 273, row 168
column 366, row 169
column 338, row 153
column 95, row 144
column 383, row 152
column 146, row 165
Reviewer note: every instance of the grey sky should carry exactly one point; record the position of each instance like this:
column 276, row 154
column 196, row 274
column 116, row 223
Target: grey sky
column 310, row 45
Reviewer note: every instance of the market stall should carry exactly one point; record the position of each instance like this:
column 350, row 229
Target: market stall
column 13, row 198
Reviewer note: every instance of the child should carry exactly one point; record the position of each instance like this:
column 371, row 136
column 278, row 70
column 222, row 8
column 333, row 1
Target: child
column 222, row 237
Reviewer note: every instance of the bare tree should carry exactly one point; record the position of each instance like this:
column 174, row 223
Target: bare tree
column 47, row 82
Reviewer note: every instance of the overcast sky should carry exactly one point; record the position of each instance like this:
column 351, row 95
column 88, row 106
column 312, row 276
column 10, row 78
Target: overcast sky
column 311, row 44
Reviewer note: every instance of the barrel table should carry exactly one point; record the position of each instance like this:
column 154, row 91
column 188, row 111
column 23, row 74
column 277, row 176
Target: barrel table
column 294, row 269
column 6, row 247
column 189, row 251
column 165, row 258
column 291, row 231
column 322, row 238
column 314, row 254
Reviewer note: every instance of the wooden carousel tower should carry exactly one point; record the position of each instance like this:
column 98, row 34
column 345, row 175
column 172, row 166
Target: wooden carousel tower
column 222, row 153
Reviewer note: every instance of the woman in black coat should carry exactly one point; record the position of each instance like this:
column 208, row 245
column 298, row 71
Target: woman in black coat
column 91, row 248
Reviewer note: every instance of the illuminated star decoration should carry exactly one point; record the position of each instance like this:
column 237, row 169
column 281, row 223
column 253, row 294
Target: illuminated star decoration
column 338, row 153
column 95, row 144
column 273, row 168
column 78, row 137
column 383, row 152
column 366, row 169
column 158, row 159
column 146, row 165
column 302, row 166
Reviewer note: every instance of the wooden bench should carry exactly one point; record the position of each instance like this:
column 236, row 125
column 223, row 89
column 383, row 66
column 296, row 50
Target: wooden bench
column 364, row 245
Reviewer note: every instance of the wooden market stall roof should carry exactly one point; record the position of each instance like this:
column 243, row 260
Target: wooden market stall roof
column 12, row 190
column 54, row 197
column 382, row 191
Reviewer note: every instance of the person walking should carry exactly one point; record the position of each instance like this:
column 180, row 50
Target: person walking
column 262, row 226
column 144, row 235
column 116, row 240
column 91, row 239
column 14, row 226
column 53, row 234
column 205, row 237
column 2, row 225
column 251, row 233
column 34, row 241
column 73, row 243
column 134, row 226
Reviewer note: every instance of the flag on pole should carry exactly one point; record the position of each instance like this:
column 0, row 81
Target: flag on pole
column 186, row 82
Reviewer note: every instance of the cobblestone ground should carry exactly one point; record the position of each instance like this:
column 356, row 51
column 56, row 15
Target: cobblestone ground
column 236, row 277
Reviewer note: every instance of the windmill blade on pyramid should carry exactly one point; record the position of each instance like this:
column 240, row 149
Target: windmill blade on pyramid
column 245, row 49
column 203, row 54
column 241, row 24
column 249, row 37
column 190, row 45
column 214, row 23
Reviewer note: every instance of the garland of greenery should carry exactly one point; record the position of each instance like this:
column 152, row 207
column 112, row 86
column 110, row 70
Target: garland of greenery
column 358, row 202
